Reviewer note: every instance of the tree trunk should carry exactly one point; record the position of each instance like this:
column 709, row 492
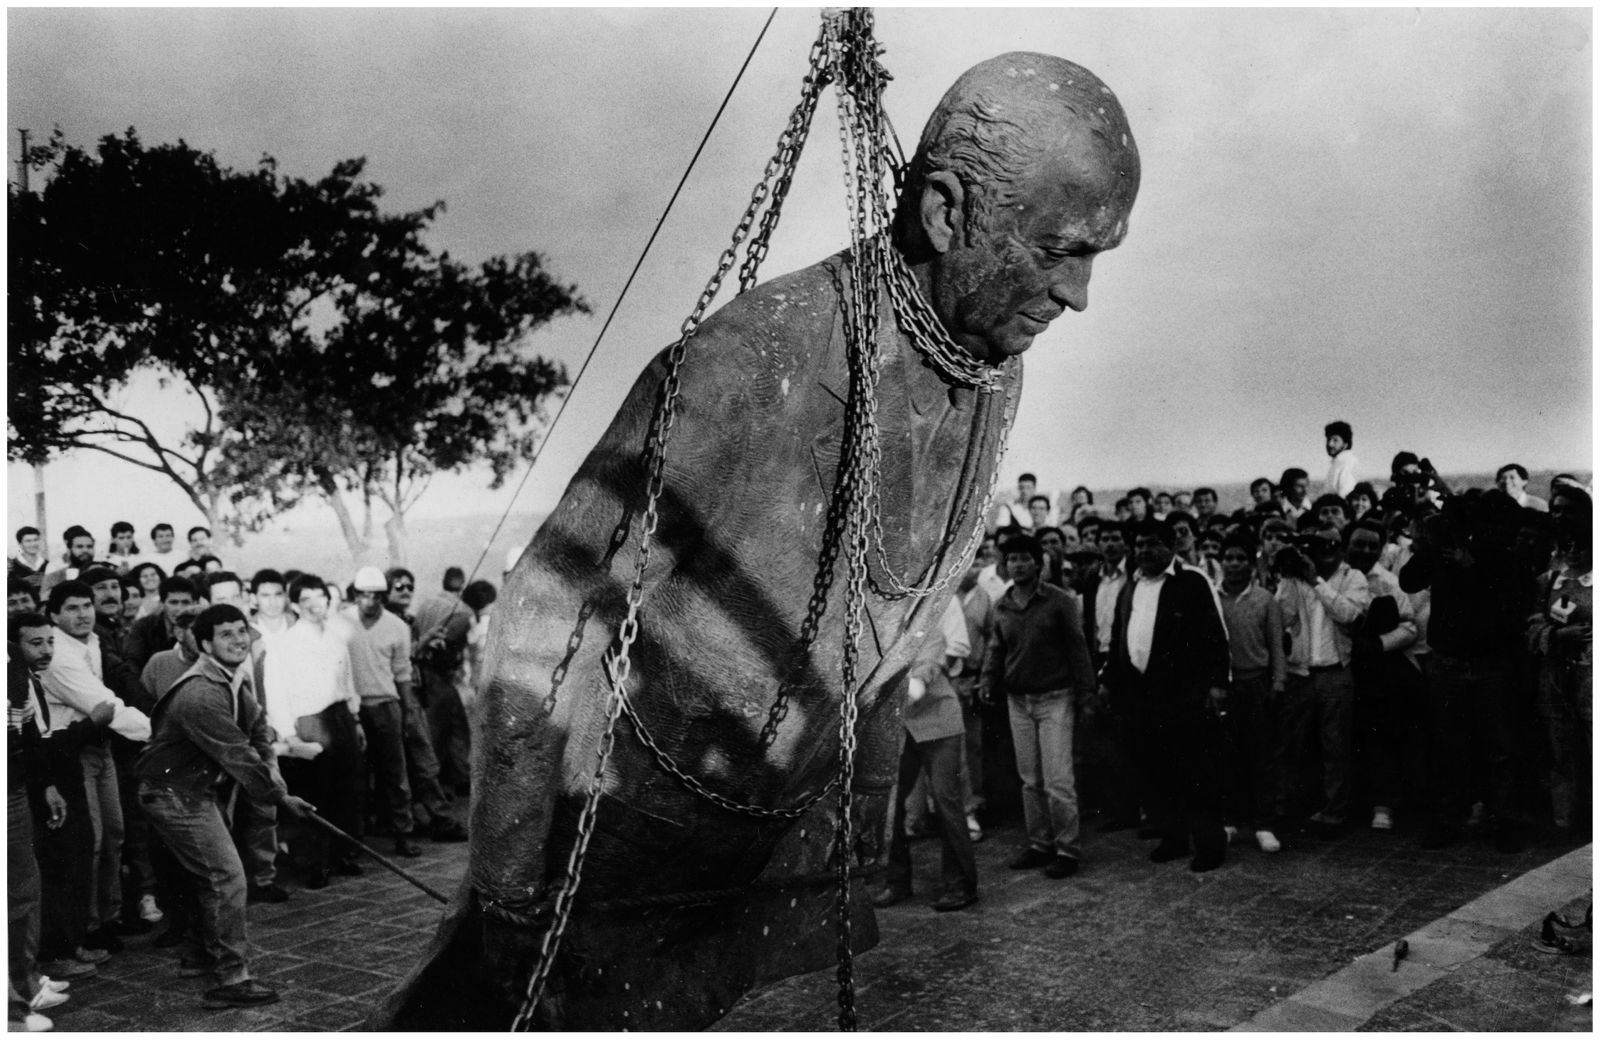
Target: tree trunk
column 395, row 528
column 347, row 524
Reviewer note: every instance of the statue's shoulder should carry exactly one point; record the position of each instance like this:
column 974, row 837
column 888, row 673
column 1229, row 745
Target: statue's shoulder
column 795, row 308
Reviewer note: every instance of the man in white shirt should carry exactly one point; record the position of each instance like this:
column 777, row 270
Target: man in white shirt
column 73, row 686
column 30, row 558
column 311, row 692
column 1323, row 601
column 162, row 553
column 1339, row 439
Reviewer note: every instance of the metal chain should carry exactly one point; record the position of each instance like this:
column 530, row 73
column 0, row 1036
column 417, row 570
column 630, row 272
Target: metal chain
column 655, row 451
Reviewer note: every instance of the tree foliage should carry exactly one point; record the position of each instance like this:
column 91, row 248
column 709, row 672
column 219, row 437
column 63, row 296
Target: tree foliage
column 330, row 350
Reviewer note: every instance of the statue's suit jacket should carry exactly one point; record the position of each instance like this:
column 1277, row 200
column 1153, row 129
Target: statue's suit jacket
column 751, row 469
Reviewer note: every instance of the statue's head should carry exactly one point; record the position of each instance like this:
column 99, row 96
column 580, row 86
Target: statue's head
column 1025, row 173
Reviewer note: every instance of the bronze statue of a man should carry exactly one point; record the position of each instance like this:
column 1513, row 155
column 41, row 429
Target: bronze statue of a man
column 1024, row 174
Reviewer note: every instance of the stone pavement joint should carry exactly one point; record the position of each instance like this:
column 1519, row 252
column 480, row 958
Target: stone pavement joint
column 1452, row 945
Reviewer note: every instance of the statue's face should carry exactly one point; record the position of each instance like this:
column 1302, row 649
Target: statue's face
column 1003, row 285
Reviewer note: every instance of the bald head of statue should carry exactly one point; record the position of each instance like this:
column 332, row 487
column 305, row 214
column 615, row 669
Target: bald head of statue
column 1025, row 173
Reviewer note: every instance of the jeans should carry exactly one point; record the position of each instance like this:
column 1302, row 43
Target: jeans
column 255, row 836
column 422, row 765
column 1323, row 701
column 386, row 751
column 447, row 725
column 105, row 816
column 1041, row 730
column 972, row 740
column 22, row 893
column 195, row 831
column 941, row 761
column 1566, row 717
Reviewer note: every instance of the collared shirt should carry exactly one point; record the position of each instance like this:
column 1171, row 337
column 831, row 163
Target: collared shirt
column 1112, row 579
column 1324, row 612
column 1142, row 616
column 1037, row 646
column 953, row 624
column 306, row 669
column 73, row 685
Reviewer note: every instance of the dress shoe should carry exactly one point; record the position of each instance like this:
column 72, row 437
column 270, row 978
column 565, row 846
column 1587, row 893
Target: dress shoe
column 891, row 895
column 404, row 846
column 1147, row 832
column 271, row 892
column 1437, row 837
column 348, row 868
column 248, row 993
column 1062, row 867
column 68, row 968
column 133, row 925
column 317, row 877
column 1032, row 858
column 446, row 829
column 1168, row 851
column 90, row 955
column 1211, row 859
column 957, row 899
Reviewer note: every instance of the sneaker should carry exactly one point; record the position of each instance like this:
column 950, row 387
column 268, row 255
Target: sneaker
column 149, row 911
column 31, row 1023
column 974, row 831
column 1230, row 834
column 271, row 892
column 46, row 999
column 1031, row 858
column 317, row 877
column 1063, row 867
column 1382, row 818
column 1268, row 841
column 89, row 956
column 54, row 985
column 1478, row 815
column 248, row 993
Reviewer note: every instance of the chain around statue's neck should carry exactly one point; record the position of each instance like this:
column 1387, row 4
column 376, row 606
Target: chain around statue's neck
column 923, row 327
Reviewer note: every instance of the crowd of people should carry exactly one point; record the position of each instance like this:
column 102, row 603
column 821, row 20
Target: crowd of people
column 181, row 737
column 1417, row 657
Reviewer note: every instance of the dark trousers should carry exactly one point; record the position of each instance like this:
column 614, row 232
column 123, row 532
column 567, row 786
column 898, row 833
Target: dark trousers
column 447, row 725
column 1254, row 798
column 66, row 868
column 1321, row 704
column 1469, row 712
column 334, row 782
column 422, row 765
column 941, row 760
column 138, row 876
column 1388, row 695
column 1180, row 755
column 22, row 895
column 383, row 723
column 1566, row 737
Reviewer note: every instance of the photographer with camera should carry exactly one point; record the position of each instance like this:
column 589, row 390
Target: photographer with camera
column 1323, row 600
column 1481, row 596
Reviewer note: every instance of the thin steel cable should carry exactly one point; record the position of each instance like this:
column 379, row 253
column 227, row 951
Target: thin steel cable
column 573, row 386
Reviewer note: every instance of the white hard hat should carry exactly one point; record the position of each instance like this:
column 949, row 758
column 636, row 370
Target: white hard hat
column 371, row 579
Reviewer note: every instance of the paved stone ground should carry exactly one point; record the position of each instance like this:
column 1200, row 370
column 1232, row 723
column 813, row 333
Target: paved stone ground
column 1126, row 945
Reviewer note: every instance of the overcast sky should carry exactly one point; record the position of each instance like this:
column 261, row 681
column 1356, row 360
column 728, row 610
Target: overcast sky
column 1380, row 215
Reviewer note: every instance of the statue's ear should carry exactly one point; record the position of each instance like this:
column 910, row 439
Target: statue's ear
column 944, row 208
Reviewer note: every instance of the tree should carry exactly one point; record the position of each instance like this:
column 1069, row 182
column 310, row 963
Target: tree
column 224, row 283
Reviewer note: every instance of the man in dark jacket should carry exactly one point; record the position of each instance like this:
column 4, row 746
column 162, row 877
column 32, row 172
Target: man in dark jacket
column 209, row 733
column 1168, row 673
column 1038, row 658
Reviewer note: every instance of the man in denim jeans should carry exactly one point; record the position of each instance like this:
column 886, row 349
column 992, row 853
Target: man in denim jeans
column 210, row 733
column 1039, row 659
